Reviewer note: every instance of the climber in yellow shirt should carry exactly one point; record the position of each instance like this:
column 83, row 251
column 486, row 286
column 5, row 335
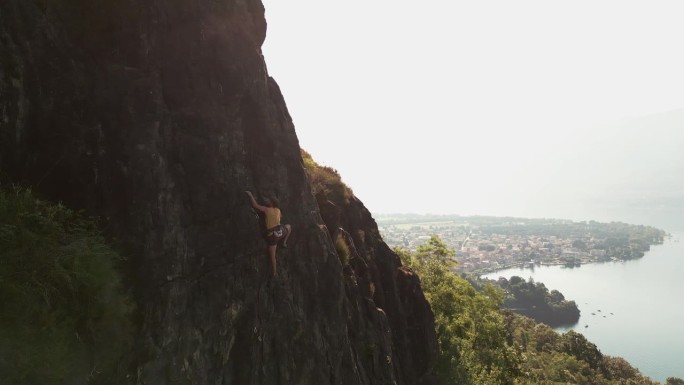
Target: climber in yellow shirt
column 274, row 230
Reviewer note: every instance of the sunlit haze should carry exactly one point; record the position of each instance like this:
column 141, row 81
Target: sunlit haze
column 528, row 108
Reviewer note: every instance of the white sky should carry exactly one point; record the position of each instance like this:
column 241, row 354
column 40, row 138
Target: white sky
column 477, row 107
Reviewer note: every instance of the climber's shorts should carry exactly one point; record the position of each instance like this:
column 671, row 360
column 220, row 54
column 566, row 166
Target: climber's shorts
column 275, row 234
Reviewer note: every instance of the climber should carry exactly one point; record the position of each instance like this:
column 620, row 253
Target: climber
column 275, row 232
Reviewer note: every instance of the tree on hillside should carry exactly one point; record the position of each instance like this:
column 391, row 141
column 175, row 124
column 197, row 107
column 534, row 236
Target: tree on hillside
column 471, row 331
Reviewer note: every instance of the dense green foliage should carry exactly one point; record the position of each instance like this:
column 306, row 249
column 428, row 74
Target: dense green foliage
column 483, row 344
column 551, row 358
column 63, row 317
column 472, row 334
column 534, row 300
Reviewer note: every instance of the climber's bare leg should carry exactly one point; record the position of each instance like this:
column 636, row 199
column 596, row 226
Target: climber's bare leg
column 272, row 256
column 289, row 231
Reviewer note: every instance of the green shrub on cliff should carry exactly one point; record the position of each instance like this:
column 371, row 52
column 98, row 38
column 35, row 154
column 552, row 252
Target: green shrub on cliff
column 63, row 317
column 342, row 250
column 326, row 180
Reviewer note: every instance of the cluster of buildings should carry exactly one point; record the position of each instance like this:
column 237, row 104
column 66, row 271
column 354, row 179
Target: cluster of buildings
column 480, row 251
column 483, row 253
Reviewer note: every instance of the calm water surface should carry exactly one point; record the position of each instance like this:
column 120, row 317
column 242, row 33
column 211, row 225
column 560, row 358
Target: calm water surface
column 632, row 309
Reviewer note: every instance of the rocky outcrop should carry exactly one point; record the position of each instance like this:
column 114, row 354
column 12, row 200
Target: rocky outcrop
column 376, row 271
column 156, row 116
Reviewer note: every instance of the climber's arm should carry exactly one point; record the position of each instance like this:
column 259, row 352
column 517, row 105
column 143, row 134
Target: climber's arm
column 254, row 202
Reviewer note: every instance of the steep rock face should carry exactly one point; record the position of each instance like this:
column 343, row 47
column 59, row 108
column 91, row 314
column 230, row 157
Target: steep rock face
column 375, row 272
column 157, row 118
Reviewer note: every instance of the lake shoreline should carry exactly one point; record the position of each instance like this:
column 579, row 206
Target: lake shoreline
column 626, row 308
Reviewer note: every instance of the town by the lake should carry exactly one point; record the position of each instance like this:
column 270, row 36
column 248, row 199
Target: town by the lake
column 485, row 244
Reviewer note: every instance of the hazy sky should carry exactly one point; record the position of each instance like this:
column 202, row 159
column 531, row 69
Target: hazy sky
column 486, row 107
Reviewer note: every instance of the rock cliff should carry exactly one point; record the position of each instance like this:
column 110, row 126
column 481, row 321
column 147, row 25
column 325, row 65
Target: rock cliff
column 156, row 116
column 374, row 271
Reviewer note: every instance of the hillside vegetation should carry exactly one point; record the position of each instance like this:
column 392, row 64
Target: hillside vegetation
column 481, row 344
column 63, row 316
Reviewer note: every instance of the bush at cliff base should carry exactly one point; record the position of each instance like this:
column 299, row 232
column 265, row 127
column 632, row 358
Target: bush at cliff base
column 63, row 316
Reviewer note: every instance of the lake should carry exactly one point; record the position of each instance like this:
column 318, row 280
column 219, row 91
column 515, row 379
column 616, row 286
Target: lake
column 629, row 309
